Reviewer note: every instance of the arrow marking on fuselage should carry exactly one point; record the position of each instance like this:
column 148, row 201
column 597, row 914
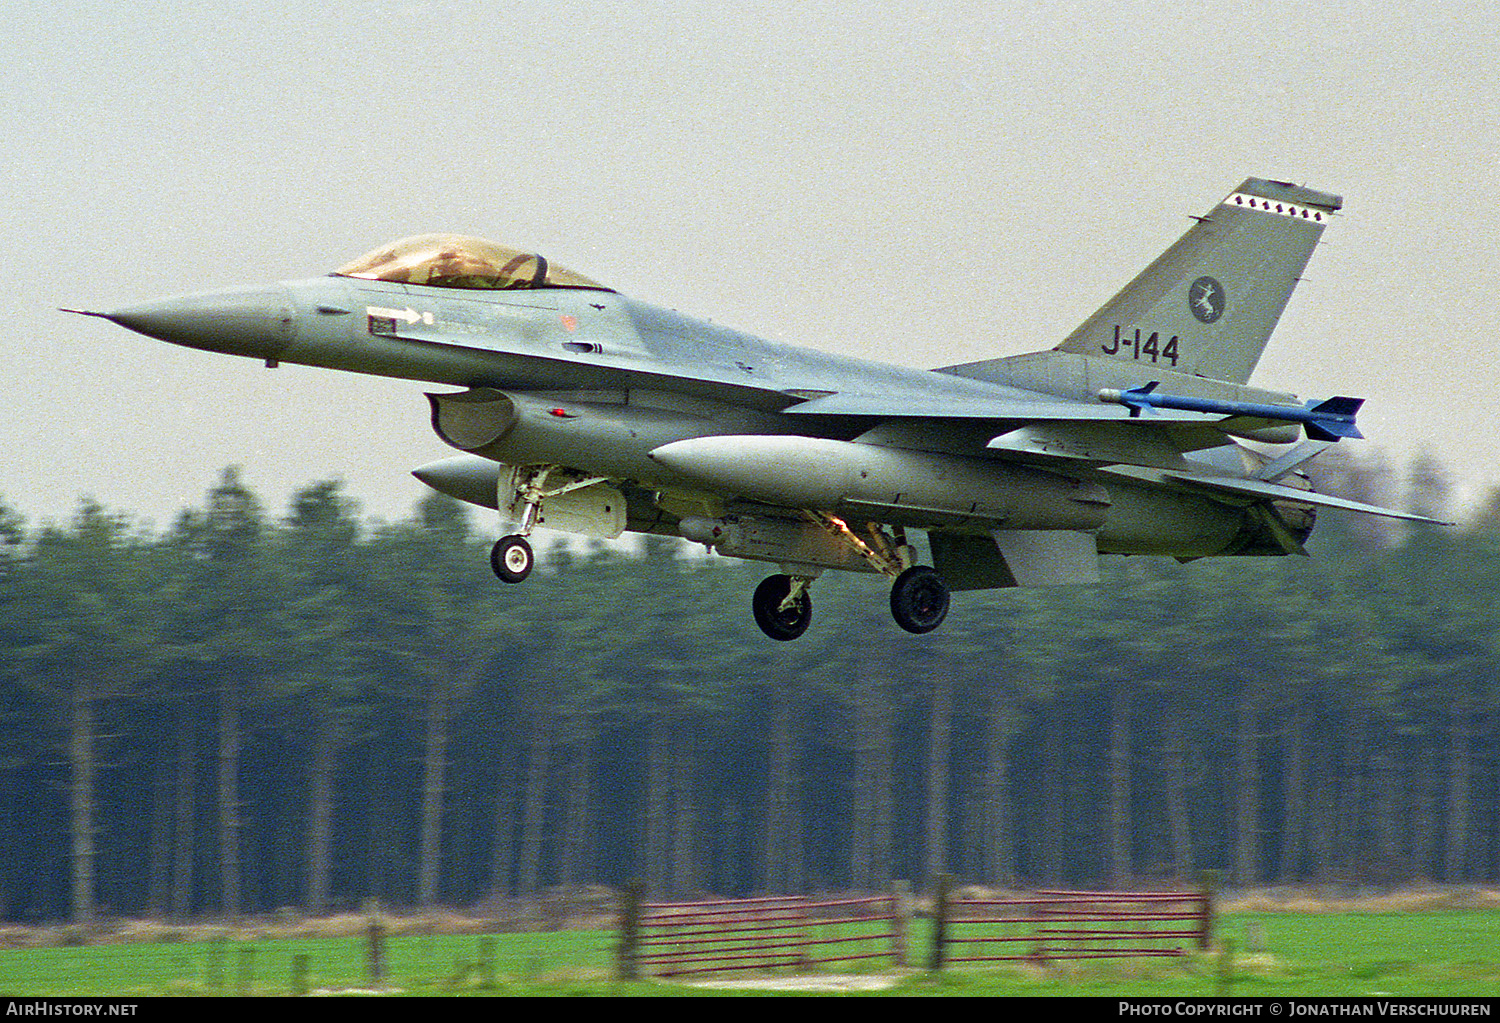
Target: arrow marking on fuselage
column 408, row 315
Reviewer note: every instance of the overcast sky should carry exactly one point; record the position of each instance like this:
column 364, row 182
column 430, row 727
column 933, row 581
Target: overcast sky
column 925, row 183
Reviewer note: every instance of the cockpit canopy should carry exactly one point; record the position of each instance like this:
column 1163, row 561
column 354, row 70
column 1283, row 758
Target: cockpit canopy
column 457, row 261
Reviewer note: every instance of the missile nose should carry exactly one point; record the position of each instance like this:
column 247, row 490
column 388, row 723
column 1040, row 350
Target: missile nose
column 255, row 322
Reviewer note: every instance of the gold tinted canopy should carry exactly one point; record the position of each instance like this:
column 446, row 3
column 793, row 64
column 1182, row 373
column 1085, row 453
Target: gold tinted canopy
column 457, row 261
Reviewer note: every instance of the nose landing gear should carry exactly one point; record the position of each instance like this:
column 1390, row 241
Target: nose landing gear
column 512, row 557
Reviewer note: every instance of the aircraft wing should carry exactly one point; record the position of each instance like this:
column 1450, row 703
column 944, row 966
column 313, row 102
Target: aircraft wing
column 1112, row 429
column 916, row 406
column 901, row 406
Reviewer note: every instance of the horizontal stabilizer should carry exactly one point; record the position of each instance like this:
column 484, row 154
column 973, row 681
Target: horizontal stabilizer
column 1279, row 468
column 1276, row 492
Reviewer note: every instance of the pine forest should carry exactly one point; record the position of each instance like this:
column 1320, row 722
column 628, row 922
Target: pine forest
column 252, row 710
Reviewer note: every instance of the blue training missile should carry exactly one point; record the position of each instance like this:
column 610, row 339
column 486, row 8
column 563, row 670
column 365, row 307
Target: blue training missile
column 1330, row 419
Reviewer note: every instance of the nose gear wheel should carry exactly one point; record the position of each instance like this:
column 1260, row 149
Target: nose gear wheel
column 512, row 558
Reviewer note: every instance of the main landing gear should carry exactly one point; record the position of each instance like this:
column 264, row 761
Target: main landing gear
column 919, row 596
column 783, row 607
column 919, row 599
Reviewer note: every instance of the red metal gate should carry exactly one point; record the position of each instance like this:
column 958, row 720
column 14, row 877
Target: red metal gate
column 677, row 938
column 1048, row 925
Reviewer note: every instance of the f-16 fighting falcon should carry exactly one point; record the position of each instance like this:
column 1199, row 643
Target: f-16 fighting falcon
column 583, row 410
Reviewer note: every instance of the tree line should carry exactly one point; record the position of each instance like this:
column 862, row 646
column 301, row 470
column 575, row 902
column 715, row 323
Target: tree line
column 247, row 711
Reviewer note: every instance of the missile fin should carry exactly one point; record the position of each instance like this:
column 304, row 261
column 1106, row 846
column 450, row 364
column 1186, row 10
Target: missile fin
column 1339, row 422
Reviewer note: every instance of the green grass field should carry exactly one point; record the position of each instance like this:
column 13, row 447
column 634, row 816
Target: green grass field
column 1449, row 953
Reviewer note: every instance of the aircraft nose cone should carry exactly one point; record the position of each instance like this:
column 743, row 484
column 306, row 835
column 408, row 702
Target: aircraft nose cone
column 256, row 322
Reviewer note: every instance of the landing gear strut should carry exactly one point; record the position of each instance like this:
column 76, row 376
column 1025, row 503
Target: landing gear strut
column 782, row 606
column 919, row 596
column 512, row 557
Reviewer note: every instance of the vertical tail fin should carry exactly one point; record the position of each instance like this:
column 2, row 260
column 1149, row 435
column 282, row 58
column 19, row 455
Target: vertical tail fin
column 1209, row 303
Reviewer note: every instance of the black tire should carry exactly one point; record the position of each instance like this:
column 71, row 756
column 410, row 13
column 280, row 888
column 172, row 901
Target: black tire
column 919, row 599
column 774, row 622
column 512, row 558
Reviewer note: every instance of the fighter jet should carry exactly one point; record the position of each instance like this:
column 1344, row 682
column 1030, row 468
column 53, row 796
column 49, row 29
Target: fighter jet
column 580, row 409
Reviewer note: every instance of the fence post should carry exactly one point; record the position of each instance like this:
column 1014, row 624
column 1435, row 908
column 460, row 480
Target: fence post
column 375, row 944
column 805, row 935
column 218, row 949
column 944, row 883
column 487, row 963
column 1225, row 975
column 626, row 967
column 1209, row 886
column 1037, row 912
column 899, row 891
column 299, row 974
column 245, row 975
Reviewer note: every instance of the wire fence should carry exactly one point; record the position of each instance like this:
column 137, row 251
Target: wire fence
column 245, row 963
column 849, row 933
